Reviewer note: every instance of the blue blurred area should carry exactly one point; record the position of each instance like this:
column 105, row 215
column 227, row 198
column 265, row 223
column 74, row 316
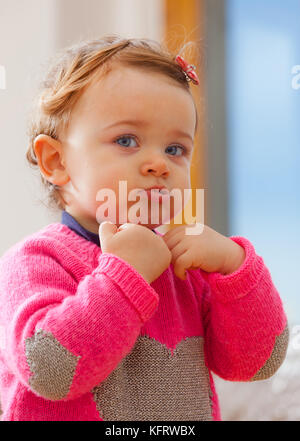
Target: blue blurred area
column 263, row 121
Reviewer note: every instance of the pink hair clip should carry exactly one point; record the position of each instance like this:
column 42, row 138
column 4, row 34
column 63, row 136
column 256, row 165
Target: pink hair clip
column 189, row 69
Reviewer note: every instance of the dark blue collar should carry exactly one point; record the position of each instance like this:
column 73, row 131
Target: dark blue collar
column 70, row 222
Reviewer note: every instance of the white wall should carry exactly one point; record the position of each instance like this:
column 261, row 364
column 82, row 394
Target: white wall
column 30, row 32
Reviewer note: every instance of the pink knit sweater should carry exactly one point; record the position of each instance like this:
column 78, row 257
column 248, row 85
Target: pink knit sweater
column 85, row 337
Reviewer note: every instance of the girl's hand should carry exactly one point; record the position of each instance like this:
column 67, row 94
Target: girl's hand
column 139, row 246
column 210, row 251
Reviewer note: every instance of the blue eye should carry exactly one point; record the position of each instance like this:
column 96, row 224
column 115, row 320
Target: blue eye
column 125, row 138
column 177, row 146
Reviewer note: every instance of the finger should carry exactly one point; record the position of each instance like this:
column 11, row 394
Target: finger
column 172, row 232
column 173, row 241
column 124, row 226
column 181, row 265
column 106, row 230
column 177, row 251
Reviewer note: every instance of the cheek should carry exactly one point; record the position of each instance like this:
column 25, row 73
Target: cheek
column 183, row 184
column 182, row 178
column 106, row 180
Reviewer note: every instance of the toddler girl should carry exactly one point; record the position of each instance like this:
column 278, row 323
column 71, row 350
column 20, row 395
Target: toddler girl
column 118, row 321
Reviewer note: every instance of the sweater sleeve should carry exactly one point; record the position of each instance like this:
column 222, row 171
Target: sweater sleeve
column 65, row 336
column 246, row 331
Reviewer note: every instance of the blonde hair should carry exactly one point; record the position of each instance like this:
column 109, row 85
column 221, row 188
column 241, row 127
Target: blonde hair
column 72, row 69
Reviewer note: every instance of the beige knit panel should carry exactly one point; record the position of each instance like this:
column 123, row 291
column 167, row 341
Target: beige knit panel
column 52, row 365
column 151, row 384
column 276, row 358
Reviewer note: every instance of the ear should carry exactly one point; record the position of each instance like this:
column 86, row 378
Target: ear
column 49, row 154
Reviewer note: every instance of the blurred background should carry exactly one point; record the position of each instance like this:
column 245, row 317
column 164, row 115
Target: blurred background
column 247, row 157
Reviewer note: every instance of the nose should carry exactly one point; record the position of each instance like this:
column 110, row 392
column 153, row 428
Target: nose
column 157, row 165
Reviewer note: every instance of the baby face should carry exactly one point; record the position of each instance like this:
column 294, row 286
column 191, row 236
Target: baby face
column 131, row 126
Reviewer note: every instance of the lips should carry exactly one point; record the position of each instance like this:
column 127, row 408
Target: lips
column 161, row 189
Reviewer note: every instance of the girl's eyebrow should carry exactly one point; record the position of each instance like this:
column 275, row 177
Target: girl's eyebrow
column 145, row 123
column 136, row 122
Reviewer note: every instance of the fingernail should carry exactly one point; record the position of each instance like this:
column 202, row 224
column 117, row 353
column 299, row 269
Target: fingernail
column 123, row 226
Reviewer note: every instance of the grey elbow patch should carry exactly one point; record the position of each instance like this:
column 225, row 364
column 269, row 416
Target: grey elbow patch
column 53, row 366
column 277, row 357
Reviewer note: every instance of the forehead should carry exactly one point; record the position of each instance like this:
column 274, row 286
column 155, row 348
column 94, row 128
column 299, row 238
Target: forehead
column 126, row 93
